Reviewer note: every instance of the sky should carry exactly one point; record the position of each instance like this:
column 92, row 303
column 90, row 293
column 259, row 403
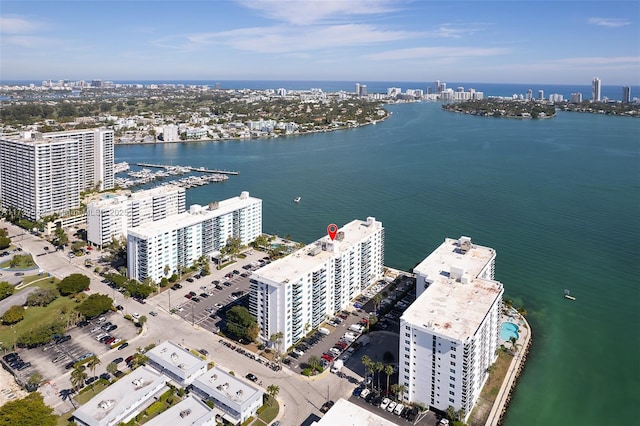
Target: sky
column 508, row 41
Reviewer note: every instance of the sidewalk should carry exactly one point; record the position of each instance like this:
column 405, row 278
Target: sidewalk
column 508, row 385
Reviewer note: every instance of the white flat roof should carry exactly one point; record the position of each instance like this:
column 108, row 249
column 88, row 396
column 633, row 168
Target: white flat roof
column 222, row 386
column 175, row 359
column 448, row 254
column 448, row 306
column 308, row 258
column 345, row 413
column 116, row 400
column 117, row 198
column 190, row 411
column 193, row 216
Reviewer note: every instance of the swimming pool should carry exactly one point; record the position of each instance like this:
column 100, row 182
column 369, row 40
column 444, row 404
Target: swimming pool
column 508, row 331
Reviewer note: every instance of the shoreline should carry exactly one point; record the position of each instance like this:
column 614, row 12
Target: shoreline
column 389, row 114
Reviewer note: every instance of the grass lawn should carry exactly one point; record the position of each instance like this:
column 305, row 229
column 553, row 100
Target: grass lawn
column 35, row 316
column 63, row 420
column 26, row 262
column 89, row 393
column 269, row 413
column 490, row 390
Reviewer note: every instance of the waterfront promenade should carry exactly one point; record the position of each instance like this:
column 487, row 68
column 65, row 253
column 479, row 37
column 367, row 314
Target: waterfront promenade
column 501, row 403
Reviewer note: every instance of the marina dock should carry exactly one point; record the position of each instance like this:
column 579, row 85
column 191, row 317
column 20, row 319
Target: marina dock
column 193, row 169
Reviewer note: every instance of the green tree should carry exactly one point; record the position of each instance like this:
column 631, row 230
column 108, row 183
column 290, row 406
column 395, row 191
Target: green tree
column 112, row 368
column 232, row 248
column 260, row 241
column 13, row 315
column 40, row 334
column 93, row 362
column 95, row 305
column 241, row 324
column 77, row 377
column 273, row 391
column 73, row 284
column 29, row 411
column 142, row 320
column 42, row 297
column 377, row 368
column 6, row 290
column 388, row 370
column 61, row 239
column 314, row 363
column 138, row 359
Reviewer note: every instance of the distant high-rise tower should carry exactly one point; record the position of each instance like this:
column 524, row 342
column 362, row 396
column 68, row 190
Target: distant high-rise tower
column 595, row 89
column 626, row 94
column 357, row 89
column 529, row 95
column 436, row 87
column 363, row 90
column 541, row 95
column 576, row 97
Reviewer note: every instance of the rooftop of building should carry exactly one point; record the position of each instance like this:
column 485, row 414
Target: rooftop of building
column 188, row 412
column 345, row 413
column 456, row 302
column 113, row 199
column 35, row 137
column 194, row 215
column 175, row 358
column 308, row 258
column 115, row 400
column 221, row 385
column 461, row 254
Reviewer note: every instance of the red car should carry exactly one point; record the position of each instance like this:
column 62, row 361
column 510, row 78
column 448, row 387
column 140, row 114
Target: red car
column 327, row 357
column 342, row 345
column 188, row 296
column 110, row 340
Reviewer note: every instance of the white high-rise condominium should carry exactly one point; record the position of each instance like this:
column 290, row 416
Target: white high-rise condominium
column 158, row 249
column 113, row 215
column 596, row 88
column 297, row 293
column 450, row 334
column 42, row 174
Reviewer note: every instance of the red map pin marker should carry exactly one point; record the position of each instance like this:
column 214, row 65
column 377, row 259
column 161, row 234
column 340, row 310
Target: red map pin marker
column 332, row 230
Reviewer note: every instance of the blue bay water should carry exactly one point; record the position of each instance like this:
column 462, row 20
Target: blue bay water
column 558, row 199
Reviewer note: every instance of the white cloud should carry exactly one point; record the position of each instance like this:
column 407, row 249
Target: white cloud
column 19, row 25
column 285, row 39
column 29, row 42
column 305, row 12
column 601, row 60
column 440, row 53
column 609, row 22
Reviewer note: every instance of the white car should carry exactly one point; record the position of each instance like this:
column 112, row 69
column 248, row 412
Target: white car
column 135, row 315
column 385, row 403
column 365, row 393
column 391, row 406
column 298, row 352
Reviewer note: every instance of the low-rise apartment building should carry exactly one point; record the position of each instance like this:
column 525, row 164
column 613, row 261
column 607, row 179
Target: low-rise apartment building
column 299, row 292
column 176, row 363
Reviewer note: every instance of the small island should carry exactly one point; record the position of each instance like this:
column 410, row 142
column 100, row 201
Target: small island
column 505, row 108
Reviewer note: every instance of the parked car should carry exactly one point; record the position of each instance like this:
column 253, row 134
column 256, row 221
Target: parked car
column 111, row 327
column 122, row 346
column 203, row 352
column 153, row 314
column 117, row 360
column 252, row 377
column 385, row 403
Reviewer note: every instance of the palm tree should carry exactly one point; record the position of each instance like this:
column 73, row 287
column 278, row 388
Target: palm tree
column 77, row 377
column 314, row 363
column 94, row 361
column 378, row 367
column 401, row 390
column 395, row 389
column 367, row 363
column 388, row 370
column 377, row 298
column 273, row 391
column 514, row 344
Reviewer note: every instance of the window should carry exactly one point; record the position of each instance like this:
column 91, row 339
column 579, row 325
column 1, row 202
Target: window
column 452, row 378
column 451, row 400
column 407, row 334
column 453, row 363
column 452, row 386
column 452, row 393
column 453, row 356
column 452, row 370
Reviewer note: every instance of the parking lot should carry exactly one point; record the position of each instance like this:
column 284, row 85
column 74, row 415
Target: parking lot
column 55, row 359
column 200, row 300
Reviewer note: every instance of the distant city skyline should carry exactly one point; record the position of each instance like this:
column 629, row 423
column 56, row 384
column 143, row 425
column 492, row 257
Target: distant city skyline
column 374, row 40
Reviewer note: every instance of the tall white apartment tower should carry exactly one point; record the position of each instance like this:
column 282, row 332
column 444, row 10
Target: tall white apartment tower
column 450, row 334
column 596, row 88
column 297, row 293
column 113, row 215
column 158, row 249
column 43, row 174
column 357, row 89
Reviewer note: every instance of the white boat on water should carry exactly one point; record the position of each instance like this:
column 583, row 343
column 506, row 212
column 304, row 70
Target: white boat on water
column 297, row 199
